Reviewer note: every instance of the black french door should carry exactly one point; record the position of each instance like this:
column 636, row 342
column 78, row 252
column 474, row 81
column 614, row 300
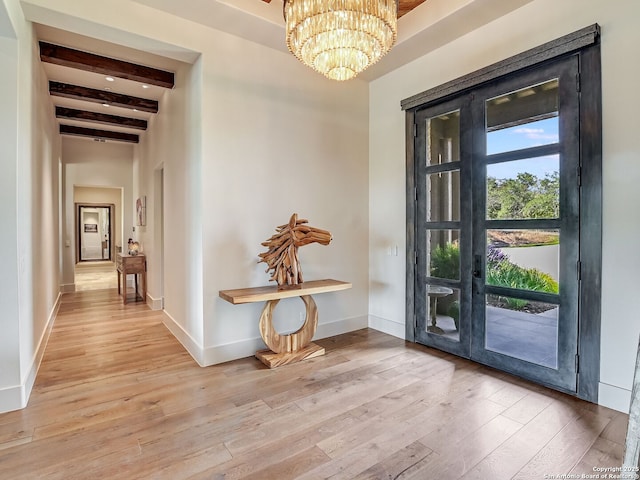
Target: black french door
column 497, row 224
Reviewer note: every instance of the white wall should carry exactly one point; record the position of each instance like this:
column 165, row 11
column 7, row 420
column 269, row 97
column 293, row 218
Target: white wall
column 30, row 159
column 94, row 164
column 248, row 137
column 9, row 320
column 278, row 139
column 40, row 214
column 536, row 23
column 171, row 144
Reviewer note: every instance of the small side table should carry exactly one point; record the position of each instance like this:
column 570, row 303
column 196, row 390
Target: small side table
column 434, row 292
column 132, row 265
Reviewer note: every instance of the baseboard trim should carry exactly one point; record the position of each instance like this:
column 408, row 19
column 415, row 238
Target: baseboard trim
column 11, row 398
column 67, row 287
column 338, row 327
column 387, row 326
column 17, row 397
column 232, row 351
column 155, row 303
column 248, row 347
column 42, row 345
column 614, row 397
column 187, row 341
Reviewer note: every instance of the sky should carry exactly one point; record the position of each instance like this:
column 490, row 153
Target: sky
column 542, row 132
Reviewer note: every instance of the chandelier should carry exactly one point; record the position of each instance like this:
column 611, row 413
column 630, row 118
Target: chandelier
column 340, row 38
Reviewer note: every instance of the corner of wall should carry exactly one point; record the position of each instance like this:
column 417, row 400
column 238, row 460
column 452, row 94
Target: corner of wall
column 67, row 287
column 12, row 398
column 614, row 397
column 187, row 341
column 390, row 327
column 232, row 351
column 155, row 303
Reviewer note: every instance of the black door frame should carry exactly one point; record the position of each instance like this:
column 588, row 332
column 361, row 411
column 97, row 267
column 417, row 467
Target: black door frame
column 584, row 43
column 78, row 207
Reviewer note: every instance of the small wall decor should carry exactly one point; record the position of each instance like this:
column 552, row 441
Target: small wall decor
column 141, row 211
column 282, row 256
column 91, row 228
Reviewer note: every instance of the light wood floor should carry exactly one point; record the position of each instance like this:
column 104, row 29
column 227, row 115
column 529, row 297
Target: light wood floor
column 95, row 275
column 118, row 398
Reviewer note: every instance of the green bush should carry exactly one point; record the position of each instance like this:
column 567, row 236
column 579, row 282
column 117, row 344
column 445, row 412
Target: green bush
column 507, row 274
column 445, row 262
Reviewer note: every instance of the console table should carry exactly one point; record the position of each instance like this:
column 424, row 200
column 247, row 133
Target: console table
column 132, row 265
column 297, row 346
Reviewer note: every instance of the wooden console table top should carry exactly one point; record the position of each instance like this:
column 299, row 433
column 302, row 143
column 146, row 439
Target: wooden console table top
column 273, row 292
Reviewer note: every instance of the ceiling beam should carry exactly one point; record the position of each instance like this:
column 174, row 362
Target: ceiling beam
column 83, row 115
column 100, row 96
column 90, row 62
column 104, row 134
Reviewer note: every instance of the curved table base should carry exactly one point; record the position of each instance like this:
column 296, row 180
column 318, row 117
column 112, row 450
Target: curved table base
column 293, row 347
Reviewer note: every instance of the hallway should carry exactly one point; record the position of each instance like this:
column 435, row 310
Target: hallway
column 95, row 275
column 118, row 397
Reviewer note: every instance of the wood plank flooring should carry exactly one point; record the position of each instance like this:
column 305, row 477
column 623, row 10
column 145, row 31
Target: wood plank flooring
column 118, row 397
column 95, row 275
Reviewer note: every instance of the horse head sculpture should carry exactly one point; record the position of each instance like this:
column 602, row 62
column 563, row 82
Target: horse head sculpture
column 282, row 253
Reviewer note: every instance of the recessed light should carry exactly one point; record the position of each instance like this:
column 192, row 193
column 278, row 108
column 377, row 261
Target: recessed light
column 145, row 86
column 135, row 109
column 105, row 104
column 110, row 79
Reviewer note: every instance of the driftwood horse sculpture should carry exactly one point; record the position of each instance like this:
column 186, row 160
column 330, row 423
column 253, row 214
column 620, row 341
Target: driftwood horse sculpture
column 282, row 253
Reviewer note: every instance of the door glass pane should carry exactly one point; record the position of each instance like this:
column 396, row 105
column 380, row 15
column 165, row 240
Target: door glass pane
column 522, row 119
column 443, row 201
column 94, row 233
column 443, row 254
column 524, row 189
column 522, row 329
column 443, row 134
column 524, row 259
column 443, row 311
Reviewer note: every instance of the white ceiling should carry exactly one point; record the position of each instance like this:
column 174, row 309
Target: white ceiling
column 427, row 27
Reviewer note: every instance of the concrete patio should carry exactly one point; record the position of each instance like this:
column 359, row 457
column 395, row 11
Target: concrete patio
column 527, row 336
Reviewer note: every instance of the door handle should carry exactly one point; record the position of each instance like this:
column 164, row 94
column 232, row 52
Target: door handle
column 477, row 266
